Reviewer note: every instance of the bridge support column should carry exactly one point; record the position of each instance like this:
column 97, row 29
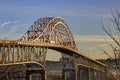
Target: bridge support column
column 102, row 75
column 92, row 74
column 39, row 74
column 83, row 73
column 97, row 75
column 69, row 74
column 63, row 75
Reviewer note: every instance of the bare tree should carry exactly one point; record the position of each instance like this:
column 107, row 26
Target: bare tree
column 113, row 31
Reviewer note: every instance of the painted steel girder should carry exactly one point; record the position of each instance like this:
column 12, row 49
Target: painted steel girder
column 50, row 30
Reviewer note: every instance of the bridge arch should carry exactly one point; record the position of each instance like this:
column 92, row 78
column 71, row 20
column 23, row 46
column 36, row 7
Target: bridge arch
column 50, row 30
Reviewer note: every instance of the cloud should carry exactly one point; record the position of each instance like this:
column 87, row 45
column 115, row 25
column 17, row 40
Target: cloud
column 12, row 32
column 9, row 22
column 98, row 46
column 92, row 38
column 14, row 36
column 5, row 23
column 17, row 21
column 13, row 28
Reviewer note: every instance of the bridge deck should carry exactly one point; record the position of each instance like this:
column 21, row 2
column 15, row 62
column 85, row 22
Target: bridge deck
column 82, row 59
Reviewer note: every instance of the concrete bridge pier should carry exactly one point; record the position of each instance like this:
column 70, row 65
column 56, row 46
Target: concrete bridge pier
column 35, row 74
column 88, row 73
column 69, row 74
column 92, row 74
column 99, row 75
column 96, row 73
column 102, row 75
column 83, row 73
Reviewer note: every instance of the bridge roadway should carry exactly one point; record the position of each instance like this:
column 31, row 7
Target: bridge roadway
column 79, row 59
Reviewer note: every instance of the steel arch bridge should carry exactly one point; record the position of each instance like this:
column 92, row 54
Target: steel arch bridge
column 47, row 33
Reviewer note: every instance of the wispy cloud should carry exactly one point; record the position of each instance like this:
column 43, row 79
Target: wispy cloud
column 5, row 23
column 98, row 46
column 14, row 27
column 92, row 44
column 9, row 22
column 17, row 21
column 93, row 38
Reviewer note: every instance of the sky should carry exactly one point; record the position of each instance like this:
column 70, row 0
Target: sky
column 82, row 16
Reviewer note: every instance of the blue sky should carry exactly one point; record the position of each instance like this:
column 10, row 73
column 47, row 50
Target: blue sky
column 82, row 16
